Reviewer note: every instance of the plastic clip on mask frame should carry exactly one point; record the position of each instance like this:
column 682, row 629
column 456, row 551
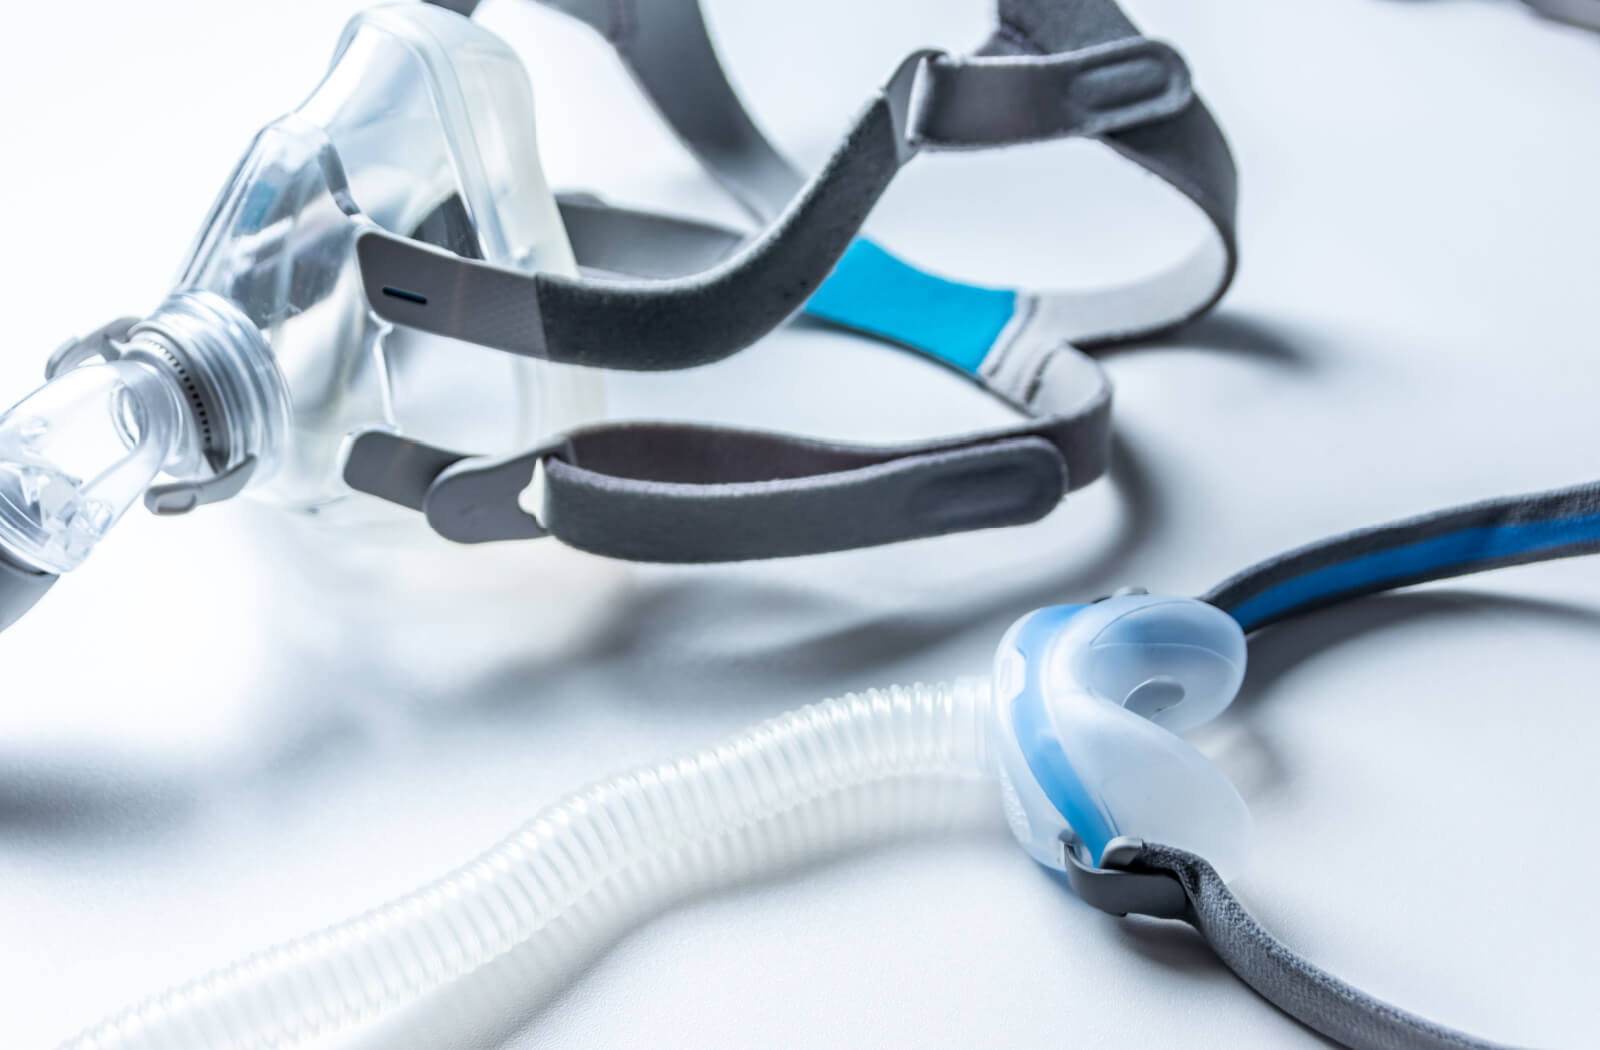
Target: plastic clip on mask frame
column 660, row 292
column 1079, row 724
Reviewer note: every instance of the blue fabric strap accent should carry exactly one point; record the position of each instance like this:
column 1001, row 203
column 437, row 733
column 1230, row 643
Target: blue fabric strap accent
column 872, row 291
column 1449, row 543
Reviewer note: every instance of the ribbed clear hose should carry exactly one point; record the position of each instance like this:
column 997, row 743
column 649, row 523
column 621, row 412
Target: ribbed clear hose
column 757, row 801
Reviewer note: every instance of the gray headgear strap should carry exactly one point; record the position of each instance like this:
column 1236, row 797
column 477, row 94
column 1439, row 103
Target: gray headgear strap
column 688, row 493
column 647, row 325
column 1051, row 68
column 1168, row 883
column 1156, row 880
column 931, row 102
column 665, row 293
column 691, row 493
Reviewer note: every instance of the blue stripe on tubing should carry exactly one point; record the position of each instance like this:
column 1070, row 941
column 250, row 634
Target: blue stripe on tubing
column 1454, row 550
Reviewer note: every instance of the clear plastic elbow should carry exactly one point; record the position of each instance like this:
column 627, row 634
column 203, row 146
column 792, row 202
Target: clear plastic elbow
column 76, row 454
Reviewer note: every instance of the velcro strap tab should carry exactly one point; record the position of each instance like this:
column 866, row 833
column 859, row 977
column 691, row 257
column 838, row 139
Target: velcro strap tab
column 973, row 103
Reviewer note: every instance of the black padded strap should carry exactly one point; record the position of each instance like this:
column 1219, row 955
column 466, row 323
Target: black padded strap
column 666, row 48
column 1311, row 996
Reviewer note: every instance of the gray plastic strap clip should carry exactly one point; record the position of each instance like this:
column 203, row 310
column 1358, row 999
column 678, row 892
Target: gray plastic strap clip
column 468, row 499
column 903, row 92
column 180, row 497
column 984, row 101
column 1118, row 890
column 101, row 343
column 468, row 502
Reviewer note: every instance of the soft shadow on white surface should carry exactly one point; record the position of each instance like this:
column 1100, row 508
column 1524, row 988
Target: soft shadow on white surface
column 196, row 764
column 1280, row 649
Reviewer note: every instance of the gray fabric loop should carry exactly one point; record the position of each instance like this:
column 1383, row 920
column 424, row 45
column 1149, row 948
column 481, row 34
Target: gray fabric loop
column 720, row 496
column 976, row 103
column 1188, row 151
column 688, row 493
column 727, row 495
column 667, row 49
column 1154, row 122
column 1311, row 996
column 643, row 325
column 1063, row 67
column 607, row 239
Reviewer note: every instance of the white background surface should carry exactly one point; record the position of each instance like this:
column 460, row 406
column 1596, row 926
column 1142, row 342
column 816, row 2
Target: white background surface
column 204, row 749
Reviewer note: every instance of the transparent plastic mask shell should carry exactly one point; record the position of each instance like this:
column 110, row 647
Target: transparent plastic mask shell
column 1087, row 699
column 424, row 126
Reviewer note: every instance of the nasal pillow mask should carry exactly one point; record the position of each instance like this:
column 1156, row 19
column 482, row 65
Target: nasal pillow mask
column 1089, row 700
column 388, row 315
column 1079, row 726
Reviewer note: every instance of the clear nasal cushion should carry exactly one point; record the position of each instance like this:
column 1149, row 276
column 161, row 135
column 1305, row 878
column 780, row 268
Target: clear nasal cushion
column 1077, row 762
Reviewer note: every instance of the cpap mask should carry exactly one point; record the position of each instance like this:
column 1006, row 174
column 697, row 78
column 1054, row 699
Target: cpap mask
column 388, row 316
column 1079, row 726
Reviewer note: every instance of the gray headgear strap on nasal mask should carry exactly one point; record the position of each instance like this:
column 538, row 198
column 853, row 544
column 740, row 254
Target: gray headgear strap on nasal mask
column 1164, row 882
column 667, row 293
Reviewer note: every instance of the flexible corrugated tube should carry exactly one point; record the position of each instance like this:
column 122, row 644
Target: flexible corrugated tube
column 734, row 810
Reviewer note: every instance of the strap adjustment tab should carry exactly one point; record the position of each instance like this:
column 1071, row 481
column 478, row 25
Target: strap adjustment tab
column 987, row 101
column 467, row 499
column 1117, row 889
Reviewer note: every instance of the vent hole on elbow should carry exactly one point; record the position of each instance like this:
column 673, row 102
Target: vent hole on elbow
column 405, row 296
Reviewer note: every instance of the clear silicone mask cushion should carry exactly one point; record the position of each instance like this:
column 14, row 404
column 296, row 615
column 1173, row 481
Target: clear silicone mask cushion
column 1090, row 698
column 268, row 349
